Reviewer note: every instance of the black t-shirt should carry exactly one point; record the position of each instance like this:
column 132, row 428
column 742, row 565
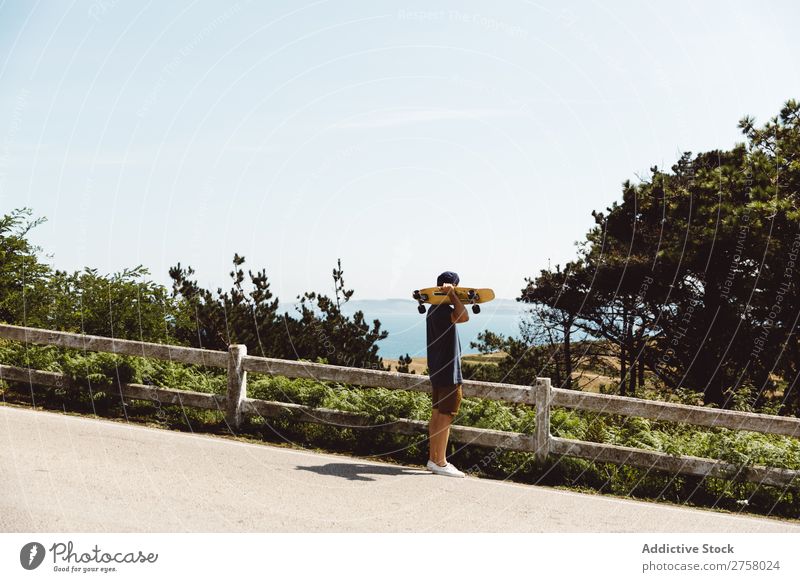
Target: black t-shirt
column 444, row 347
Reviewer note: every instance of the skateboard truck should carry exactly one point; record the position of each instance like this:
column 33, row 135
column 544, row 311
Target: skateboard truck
column 421, row 298
column 472, row 296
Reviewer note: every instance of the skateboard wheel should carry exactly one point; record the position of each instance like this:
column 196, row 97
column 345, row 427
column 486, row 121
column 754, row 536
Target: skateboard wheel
column 421, row 308
column 416, row 294
column 476, row 309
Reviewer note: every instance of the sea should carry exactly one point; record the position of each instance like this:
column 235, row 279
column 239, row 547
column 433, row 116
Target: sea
column 406, row 326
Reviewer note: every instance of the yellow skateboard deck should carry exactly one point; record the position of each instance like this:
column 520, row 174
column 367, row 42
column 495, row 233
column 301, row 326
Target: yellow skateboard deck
column 467, row 295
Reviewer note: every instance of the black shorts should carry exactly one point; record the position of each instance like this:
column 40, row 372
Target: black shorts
column 447, row 399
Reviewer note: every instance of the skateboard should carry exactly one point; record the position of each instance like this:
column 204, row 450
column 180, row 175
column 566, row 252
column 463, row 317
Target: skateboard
column 467, row 295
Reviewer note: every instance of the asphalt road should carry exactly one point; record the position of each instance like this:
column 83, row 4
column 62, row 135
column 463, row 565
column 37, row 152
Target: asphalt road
column 61, row 473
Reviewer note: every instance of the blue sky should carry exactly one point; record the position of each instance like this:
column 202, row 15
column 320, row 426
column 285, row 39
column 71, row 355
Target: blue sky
column 407, row 141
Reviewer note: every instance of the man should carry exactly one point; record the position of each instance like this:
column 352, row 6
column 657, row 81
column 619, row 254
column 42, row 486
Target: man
column 444, row 366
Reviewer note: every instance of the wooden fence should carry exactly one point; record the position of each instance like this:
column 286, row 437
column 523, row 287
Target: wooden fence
column 541, row 395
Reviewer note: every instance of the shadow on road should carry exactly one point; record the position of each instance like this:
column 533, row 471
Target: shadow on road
column 358, row 471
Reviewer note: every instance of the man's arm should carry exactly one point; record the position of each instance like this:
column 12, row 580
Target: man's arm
column 459, row 314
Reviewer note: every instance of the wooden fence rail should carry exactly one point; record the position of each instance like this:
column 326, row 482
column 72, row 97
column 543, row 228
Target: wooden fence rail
column 236, row 405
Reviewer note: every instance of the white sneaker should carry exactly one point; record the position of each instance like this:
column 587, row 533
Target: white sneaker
column 448, row 470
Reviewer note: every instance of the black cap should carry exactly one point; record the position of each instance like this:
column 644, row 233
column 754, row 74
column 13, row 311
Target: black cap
column 447, row 277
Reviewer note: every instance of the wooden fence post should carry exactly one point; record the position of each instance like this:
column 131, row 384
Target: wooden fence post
column 542, row 397
column 237, row 385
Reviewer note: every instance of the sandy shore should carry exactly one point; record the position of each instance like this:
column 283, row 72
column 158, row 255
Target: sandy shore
column 418, row 365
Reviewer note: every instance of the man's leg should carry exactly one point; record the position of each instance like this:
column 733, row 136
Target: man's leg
column 439, row 433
